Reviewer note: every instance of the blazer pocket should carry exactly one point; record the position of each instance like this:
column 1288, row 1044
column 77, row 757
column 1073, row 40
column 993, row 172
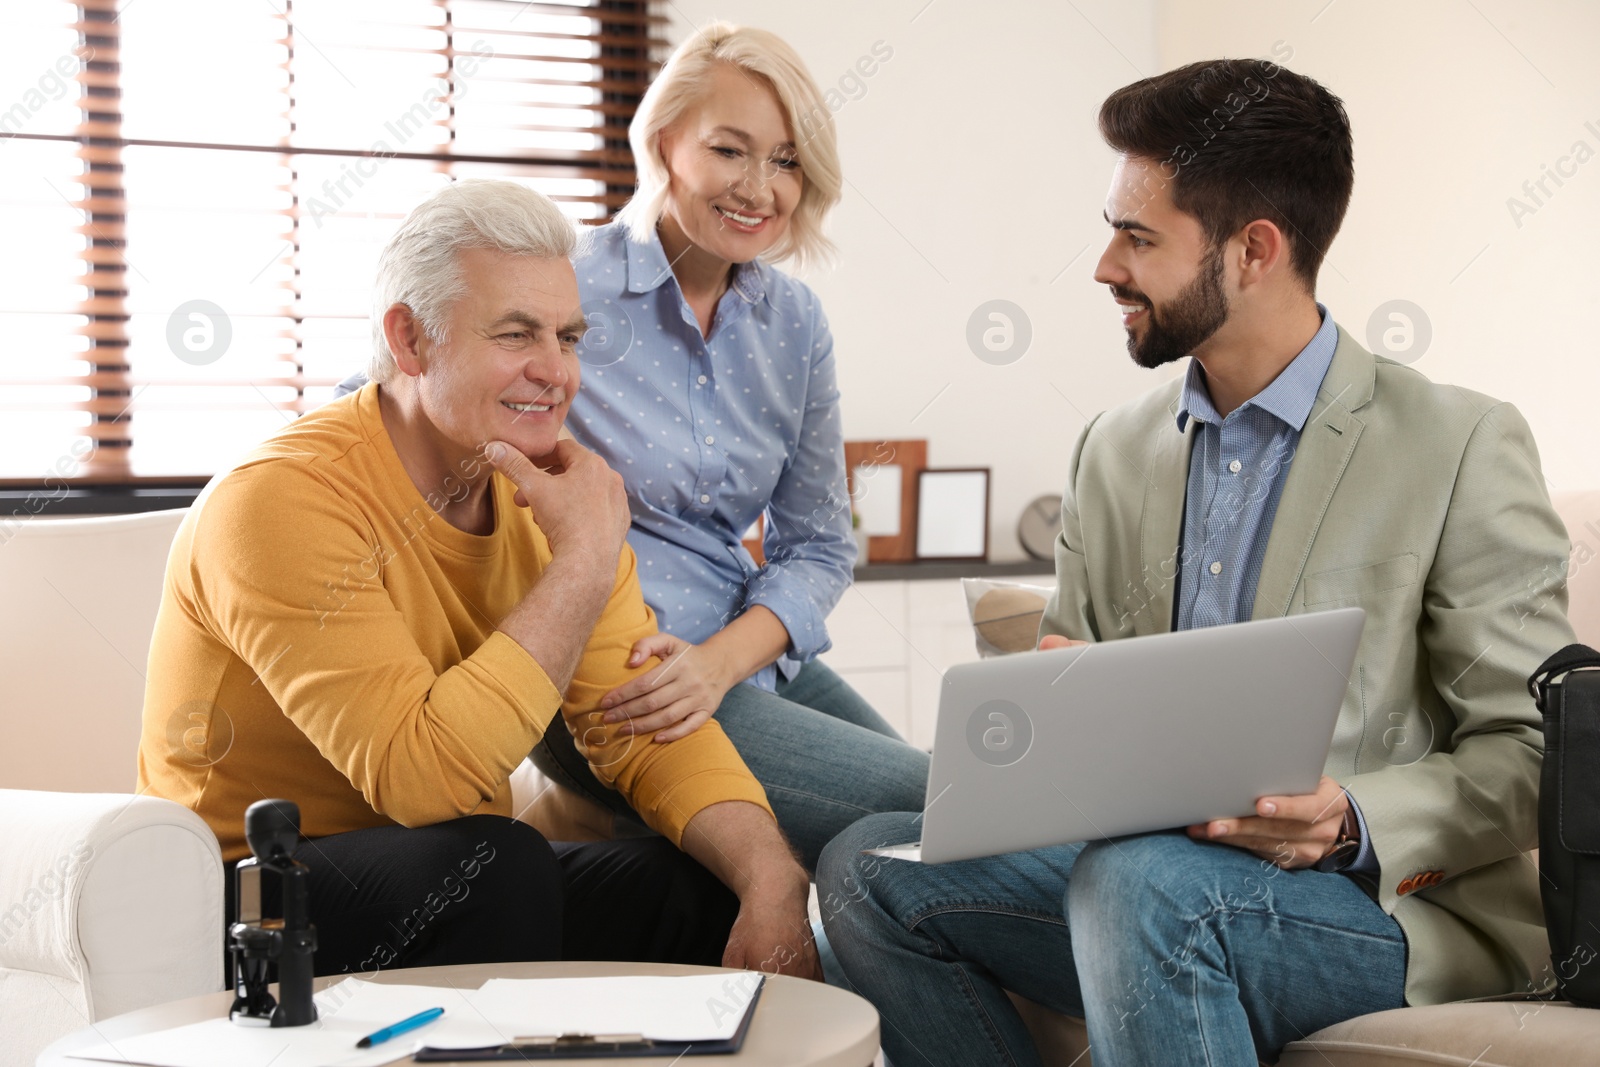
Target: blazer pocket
column 1351, row 583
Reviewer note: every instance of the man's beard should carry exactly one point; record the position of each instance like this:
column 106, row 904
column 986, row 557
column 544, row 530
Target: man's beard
column 1185, row 323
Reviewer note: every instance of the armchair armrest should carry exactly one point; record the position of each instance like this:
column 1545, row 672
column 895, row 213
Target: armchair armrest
column 109, row 902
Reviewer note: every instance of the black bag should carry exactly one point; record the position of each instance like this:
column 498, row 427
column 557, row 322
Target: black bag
column 1566, row 688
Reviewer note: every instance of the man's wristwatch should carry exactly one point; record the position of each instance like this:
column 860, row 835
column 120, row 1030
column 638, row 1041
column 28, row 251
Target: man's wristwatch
column 1344, row 851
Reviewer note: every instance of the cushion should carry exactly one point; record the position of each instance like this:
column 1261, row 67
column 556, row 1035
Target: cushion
column 1005, row 615
column 1501, row 1033
column 1498, row 1033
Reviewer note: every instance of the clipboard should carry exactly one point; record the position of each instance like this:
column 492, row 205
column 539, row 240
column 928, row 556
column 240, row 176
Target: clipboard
column 593, row 1046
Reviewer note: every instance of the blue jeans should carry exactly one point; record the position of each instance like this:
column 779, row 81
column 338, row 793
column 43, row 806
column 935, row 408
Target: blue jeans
column 1173, row 951
column 823, row 755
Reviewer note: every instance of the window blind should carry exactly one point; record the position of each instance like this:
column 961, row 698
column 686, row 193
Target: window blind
column 194, row 196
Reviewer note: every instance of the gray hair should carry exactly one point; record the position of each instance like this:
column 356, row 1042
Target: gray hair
column 420, row 266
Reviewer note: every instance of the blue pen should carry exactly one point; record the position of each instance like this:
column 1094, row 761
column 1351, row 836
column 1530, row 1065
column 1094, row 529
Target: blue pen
column 421, row 1018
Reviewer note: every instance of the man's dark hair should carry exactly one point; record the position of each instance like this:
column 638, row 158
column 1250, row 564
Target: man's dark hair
column 1239, row 140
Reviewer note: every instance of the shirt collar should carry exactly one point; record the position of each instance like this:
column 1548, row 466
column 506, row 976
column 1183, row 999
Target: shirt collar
column 1292, row 393
column 648, row 269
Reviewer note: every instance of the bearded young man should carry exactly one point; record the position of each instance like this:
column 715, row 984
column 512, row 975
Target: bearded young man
column 1289, row 471
column 379, row 611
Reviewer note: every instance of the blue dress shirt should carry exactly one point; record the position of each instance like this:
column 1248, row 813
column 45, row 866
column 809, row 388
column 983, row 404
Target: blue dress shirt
column 1237, row 470
column 711, row 433
column 1236, row 474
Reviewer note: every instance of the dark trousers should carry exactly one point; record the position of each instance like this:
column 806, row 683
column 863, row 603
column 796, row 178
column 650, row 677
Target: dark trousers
column 487, row 889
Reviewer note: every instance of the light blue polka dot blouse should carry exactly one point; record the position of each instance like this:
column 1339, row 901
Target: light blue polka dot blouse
column 711, row 433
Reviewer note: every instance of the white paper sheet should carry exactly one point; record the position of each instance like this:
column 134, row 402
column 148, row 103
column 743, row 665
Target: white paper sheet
column 665, row 1008
column 701, row 1007
column 346, row 1013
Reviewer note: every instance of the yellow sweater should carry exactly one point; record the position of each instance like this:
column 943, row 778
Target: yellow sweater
column 324, row 636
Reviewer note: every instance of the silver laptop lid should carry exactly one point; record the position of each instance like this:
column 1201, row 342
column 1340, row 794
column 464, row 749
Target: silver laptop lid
column 1140, row 734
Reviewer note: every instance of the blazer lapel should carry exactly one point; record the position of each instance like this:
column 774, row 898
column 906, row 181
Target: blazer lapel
column 1326, row 444
column 1161, row 526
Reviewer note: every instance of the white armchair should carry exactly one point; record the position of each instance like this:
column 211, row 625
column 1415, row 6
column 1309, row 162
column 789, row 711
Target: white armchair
column 108, row 901
column 113, row 902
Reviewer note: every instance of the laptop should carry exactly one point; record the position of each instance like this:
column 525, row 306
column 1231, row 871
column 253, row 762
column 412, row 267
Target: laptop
column 1128, row 736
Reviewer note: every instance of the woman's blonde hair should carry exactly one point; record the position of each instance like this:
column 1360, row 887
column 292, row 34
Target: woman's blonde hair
column 683, row 83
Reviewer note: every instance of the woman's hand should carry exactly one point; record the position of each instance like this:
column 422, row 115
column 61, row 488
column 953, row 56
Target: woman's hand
column 677, row 697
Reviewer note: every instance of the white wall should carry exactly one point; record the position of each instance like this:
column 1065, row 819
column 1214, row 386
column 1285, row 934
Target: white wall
column 974, row 173
column 1454, row 105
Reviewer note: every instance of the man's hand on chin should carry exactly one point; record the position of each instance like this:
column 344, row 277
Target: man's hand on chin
column 741, row 844
column 580, row 504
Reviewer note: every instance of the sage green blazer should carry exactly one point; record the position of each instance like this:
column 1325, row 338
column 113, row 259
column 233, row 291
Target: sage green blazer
column 1423, row 504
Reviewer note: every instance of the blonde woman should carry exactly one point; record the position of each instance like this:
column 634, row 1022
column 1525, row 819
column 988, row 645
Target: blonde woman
column 709, row 383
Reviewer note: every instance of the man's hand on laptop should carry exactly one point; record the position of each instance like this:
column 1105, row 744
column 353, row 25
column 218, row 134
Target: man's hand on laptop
column 1291, row 832
column 1049, row 641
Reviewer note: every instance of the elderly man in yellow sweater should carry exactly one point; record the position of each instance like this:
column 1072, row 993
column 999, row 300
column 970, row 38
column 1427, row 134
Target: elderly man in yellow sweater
column 380, row 610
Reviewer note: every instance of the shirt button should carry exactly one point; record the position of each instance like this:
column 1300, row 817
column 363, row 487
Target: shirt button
column 1216, row 568
column 704, row 499
column 1235, row 466
column 711, row 440
column 701, row 379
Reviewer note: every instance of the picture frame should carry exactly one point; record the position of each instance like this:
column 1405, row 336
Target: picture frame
column 953, row 514
column 882, row 478
column 754, row 540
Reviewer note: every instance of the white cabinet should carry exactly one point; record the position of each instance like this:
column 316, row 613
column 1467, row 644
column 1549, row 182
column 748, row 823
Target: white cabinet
column 867, row 628
column 940, row 636
column 893, row 641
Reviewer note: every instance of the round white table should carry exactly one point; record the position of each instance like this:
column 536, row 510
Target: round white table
column 796, row 1022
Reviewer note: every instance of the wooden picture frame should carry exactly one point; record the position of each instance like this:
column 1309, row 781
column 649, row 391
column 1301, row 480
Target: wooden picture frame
column 903, row 460
column 953, row 514
column 754, row 540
